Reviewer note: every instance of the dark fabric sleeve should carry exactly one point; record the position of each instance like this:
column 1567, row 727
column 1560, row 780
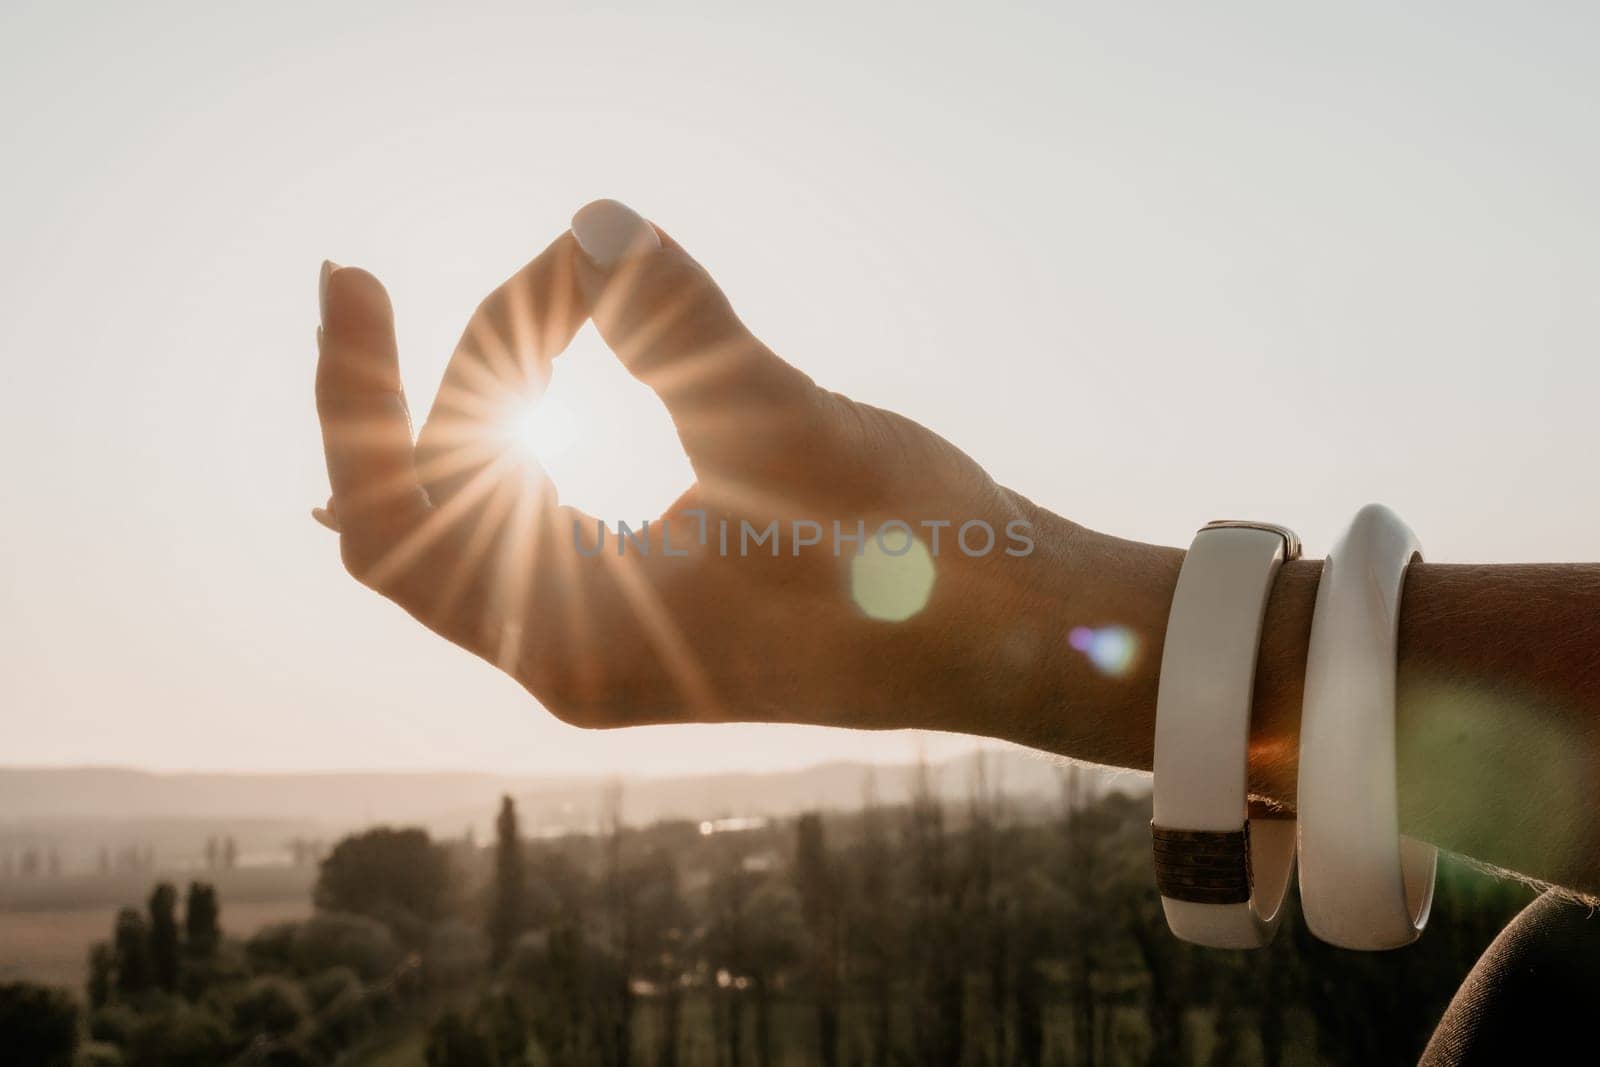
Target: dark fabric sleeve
column 1534, row 995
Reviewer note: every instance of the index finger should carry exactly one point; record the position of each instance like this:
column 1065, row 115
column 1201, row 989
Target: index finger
column 502, row 361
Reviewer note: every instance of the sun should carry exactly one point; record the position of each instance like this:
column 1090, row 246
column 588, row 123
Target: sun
column 597, row 433
column 542, row 430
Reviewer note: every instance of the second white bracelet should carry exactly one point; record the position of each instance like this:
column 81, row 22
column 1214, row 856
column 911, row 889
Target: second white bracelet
column 1362, row 885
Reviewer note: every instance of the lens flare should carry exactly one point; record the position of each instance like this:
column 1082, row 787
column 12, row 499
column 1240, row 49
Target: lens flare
column 892, row 581
column 1112, row 649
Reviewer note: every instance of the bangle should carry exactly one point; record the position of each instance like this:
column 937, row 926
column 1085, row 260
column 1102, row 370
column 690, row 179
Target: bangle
column 1362, row 885
column 1222, row 875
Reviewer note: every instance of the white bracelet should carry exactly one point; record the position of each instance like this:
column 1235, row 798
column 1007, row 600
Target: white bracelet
column 1362, row 885
column 1222, row 875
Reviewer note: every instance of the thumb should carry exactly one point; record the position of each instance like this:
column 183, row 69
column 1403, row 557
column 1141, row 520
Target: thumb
column 672, row 327
column 366, row 429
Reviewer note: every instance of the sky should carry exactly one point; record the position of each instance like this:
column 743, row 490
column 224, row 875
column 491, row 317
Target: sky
column 1150, row 264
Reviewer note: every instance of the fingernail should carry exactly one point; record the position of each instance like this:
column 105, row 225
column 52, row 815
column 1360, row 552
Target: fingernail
column 326, row 518
column 609, row 232
column 328, row 267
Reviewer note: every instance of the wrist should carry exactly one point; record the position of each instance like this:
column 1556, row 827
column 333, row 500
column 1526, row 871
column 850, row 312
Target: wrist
column 1280, row 683
column 1093, row 608
column 1104, row 712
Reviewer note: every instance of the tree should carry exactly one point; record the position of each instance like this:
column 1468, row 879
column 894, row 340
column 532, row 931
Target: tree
column 202, row 920
column 499, row 1021
column 874, row 924
column 989, row 913
column 1084, row 831
column 507, row 909
column 1163, row 956
column 753, row 935
column 131, row 950
column 164, row 936
column 1027, row 991
column 775, row 945
column 182, row 1035
column 456, row 954
column 102, row 974
column 820, row 909
column 329, row 939
column 614, row 1020
column 934, row 899
column 271, row 1006
column 654, row 919
column 452, row 1042
column 725, row 946
column 396, row 876
column 555, row 972
column 39, row 1024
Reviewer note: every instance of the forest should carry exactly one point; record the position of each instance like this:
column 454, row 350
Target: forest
column 983, row 933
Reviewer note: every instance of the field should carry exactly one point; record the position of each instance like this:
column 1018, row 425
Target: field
column 47, row 926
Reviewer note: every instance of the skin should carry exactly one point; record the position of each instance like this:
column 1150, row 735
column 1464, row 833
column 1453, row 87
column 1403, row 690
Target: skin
column 1499, row 676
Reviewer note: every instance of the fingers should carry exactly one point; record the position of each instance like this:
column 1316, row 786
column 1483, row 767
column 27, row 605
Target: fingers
column 366, row 431
column 494, row 566
column 674, row 329
column 500, row 365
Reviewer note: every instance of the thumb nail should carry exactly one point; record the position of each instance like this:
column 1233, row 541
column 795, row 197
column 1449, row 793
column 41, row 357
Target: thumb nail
column 609, row 232
column 328, row 267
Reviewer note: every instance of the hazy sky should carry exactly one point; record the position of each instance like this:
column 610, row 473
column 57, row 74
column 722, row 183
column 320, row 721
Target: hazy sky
column 1150, row 267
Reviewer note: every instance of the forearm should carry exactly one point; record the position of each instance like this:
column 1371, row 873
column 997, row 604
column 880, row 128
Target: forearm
column 1498, row 714
column 1498, row 696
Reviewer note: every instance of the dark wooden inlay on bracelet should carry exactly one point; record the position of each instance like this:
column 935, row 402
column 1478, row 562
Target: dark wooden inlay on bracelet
column 1203, row 866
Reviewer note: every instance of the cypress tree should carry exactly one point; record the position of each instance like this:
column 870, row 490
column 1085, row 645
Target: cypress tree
column 202, row 929
column 131, row 951
column 506, row 911
column 164, row 936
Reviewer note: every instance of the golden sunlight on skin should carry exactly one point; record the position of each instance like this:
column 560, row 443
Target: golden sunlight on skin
column 892, row 581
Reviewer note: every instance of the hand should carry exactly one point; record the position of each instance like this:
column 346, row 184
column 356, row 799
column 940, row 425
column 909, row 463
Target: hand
column 467, row 534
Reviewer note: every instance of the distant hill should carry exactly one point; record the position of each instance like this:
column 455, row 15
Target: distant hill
column 84, row 809
column 431, row 797
column 340, row 797
column 1020, row 774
